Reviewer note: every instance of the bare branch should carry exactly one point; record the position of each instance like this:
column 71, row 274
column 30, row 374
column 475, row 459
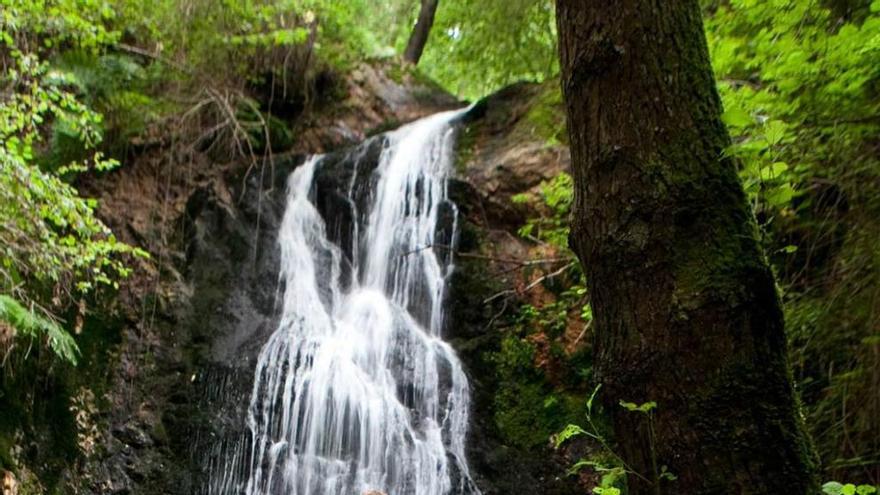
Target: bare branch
column 512, row 261
column 535, row 283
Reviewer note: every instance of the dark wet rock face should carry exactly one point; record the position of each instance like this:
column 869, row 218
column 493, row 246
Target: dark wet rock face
column 344, row 184
column 227, row 312
column 233, row 266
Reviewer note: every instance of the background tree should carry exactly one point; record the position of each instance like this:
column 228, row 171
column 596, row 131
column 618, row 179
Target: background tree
column 419, row 36
column 685, row 306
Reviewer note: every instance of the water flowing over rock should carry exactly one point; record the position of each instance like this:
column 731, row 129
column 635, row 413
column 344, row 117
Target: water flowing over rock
column 356, row 390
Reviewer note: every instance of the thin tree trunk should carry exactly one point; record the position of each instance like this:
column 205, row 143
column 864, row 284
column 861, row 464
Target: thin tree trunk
column 421, row 31
column 685, row 306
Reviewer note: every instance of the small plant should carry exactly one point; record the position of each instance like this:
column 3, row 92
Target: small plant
column 556, row 196
column 611, row 467
column 613, row 473
column 662, row 473
column 836, row 488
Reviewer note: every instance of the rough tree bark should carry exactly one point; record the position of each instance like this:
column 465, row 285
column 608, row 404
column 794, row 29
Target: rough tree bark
column 419, row 36
column 686, row 309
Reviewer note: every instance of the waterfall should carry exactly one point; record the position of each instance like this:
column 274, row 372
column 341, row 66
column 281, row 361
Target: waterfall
column 355, row 390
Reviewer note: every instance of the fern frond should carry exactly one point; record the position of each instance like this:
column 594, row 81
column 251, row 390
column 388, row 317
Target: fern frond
column 29, row 324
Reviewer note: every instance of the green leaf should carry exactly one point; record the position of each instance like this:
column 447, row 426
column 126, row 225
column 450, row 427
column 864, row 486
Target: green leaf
column 832, row 488
column 643, row 408
column 774, row 171
column 566, row 434
column 774, row 132
column 31, row 324
column 580, row 464
column 665, row 474
column 737, row 117
column 780, row 196
column 520, row 198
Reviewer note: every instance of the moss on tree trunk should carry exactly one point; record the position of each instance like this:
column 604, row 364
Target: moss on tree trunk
column 685, row 305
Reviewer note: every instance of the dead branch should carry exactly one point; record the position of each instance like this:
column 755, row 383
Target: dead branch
column 583, row 332
column 512, row 261
column 155, row 56
column 510, row 292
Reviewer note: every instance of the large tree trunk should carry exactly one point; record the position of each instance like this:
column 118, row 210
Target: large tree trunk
column 419, row 36
column 686, row 309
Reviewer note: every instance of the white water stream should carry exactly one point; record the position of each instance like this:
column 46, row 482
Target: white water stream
column 356, row 390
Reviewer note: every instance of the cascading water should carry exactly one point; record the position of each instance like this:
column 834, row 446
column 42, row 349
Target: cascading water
column 355, row 390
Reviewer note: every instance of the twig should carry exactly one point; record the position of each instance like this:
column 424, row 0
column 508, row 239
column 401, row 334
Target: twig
column 497, row 315
column 540, row 261
column 583, row 332
column 531, row 286
column 155, row 56
column 223, row 102
column 267, row 153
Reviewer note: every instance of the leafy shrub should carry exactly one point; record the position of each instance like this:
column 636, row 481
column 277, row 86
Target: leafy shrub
column 54, row 250
column 835, row 488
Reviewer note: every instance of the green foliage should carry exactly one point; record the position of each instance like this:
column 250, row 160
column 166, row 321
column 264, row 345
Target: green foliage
column 112, row 84
column 835, row 488
column 476, row 49
column 35, row 326
column 551, row 226
column 196, row 35
column 644, row 408
column 799, row 81
column 567, row 433
column 54, row 250
column 795, row 95
column 611, row 479
column 553, row 317
column 605, row 462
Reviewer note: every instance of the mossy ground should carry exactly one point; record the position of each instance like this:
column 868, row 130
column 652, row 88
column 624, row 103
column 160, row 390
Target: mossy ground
column 528, row 408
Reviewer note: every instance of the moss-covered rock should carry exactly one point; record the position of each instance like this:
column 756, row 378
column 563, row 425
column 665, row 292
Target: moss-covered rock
column 526, row 384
